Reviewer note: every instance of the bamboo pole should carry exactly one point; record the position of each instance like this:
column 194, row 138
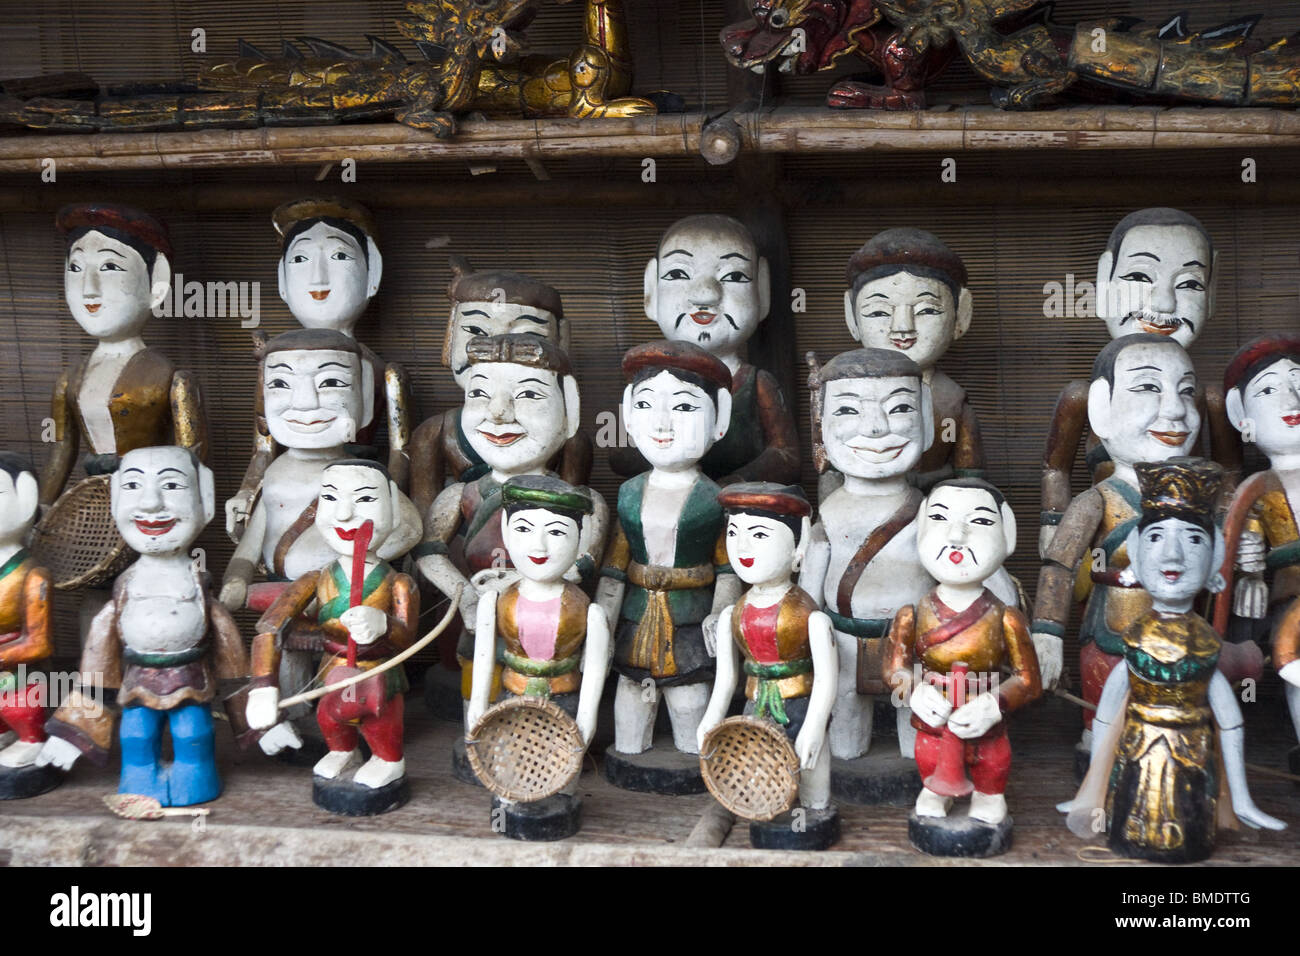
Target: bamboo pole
column 788, row 129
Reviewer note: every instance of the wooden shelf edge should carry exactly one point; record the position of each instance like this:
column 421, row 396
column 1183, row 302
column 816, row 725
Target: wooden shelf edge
column 30, row 840
column 774, row 130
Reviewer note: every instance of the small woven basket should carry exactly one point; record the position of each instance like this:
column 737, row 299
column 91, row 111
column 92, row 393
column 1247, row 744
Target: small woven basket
column 77, row 539
column 525, row 749
column 750, row 768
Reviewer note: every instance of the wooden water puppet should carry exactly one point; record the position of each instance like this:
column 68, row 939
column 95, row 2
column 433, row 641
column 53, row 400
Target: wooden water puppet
column 366, row 614
column 552, row 644
column 666, row 574
column 26, row 639
column 1167, row 769
column 786, row 648
column 163, row 642
column 946, row 659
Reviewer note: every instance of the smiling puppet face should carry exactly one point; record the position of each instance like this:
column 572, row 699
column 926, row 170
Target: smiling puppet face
column 1269, row 405
column 761, row 548
column 1174, row 560
column 1160, row 280
column 161, row 499
column 964, row 533
column 1147, row 412
column 516, row 416
column 912, row 314
column 316, row 398
column 673, row 422
column 327, row 277
column 352, row 493
column 708, row 285
column 875, row 427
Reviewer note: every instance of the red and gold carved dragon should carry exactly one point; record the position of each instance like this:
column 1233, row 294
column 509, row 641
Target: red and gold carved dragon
column 473, row 58
column 1014, row 46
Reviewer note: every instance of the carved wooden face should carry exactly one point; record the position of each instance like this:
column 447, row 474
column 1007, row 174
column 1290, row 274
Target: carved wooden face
column 1268, row 408
column 325, row 278
column 469, row 319
column 315, row 398
column 161, row 502
column 19, row 501
column 1162, row 282
column 708, row 286
column 542, row 544
column 672, row 422
column 351, row 495
column 516, row 416
column 107, row 287
column 963, row 536
column 1150, row 412
column 761, row 549
column 915, row 315
column 1175, row 560
column 874, row 427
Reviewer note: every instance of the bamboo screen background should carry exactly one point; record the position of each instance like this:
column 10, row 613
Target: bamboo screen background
column 1020, row 220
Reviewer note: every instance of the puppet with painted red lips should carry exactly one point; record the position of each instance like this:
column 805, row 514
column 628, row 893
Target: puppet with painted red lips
column 163, row 641
column 965, row 531
column 521, row 406
column 709, row 285
column 360, row 635
column 1156, row 276
column 1142, row 404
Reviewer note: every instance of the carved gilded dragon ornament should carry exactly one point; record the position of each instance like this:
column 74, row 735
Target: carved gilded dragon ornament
column 1015, row 47
column 473, row 58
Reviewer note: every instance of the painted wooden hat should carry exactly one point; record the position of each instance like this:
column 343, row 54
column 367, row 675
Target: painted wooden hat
column 1256, row 355
column 289, row 214
column 125, row 220
column 679, row 357
column 766, row 497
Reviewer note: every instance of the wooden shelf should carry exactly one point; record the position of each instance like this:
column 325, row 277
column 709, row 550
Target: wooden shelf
column 776, row 130
column 265, row 816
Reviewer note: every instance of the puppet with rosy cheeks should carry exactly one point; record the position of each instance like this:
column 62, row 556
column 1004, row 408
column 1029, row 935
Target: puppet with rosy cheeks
column 1142, row 405
column 666, row 574
column 162, row 640
column 521, row 406
column 965, row 532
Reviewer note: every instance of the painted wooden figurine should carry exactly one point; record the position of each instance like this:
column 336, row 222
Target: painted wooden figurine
column 487, row 302
column 872, row 421
column 26, row 640
column 1142, row 405
column 908, row 292
column 666, row 574
column 1262, row 391
column 786, row 647
column 550, row 640
column 163, row 642
column 329, row 271
column 366, row 612
column 946, row 657
column 521, row 406
column 1157, row 276
column 709, row 285
column 1168, row 746
column 317, row 394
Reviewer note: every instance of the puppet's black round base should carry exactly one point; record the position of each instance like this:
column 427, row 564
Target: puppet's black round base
column 958, row 835
column 657, row 770
column 351, row 799
column 19, row 783
column 442, row 694
column 799, row 829
column 879, row 777
column 554, row 818
column 460, row 766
